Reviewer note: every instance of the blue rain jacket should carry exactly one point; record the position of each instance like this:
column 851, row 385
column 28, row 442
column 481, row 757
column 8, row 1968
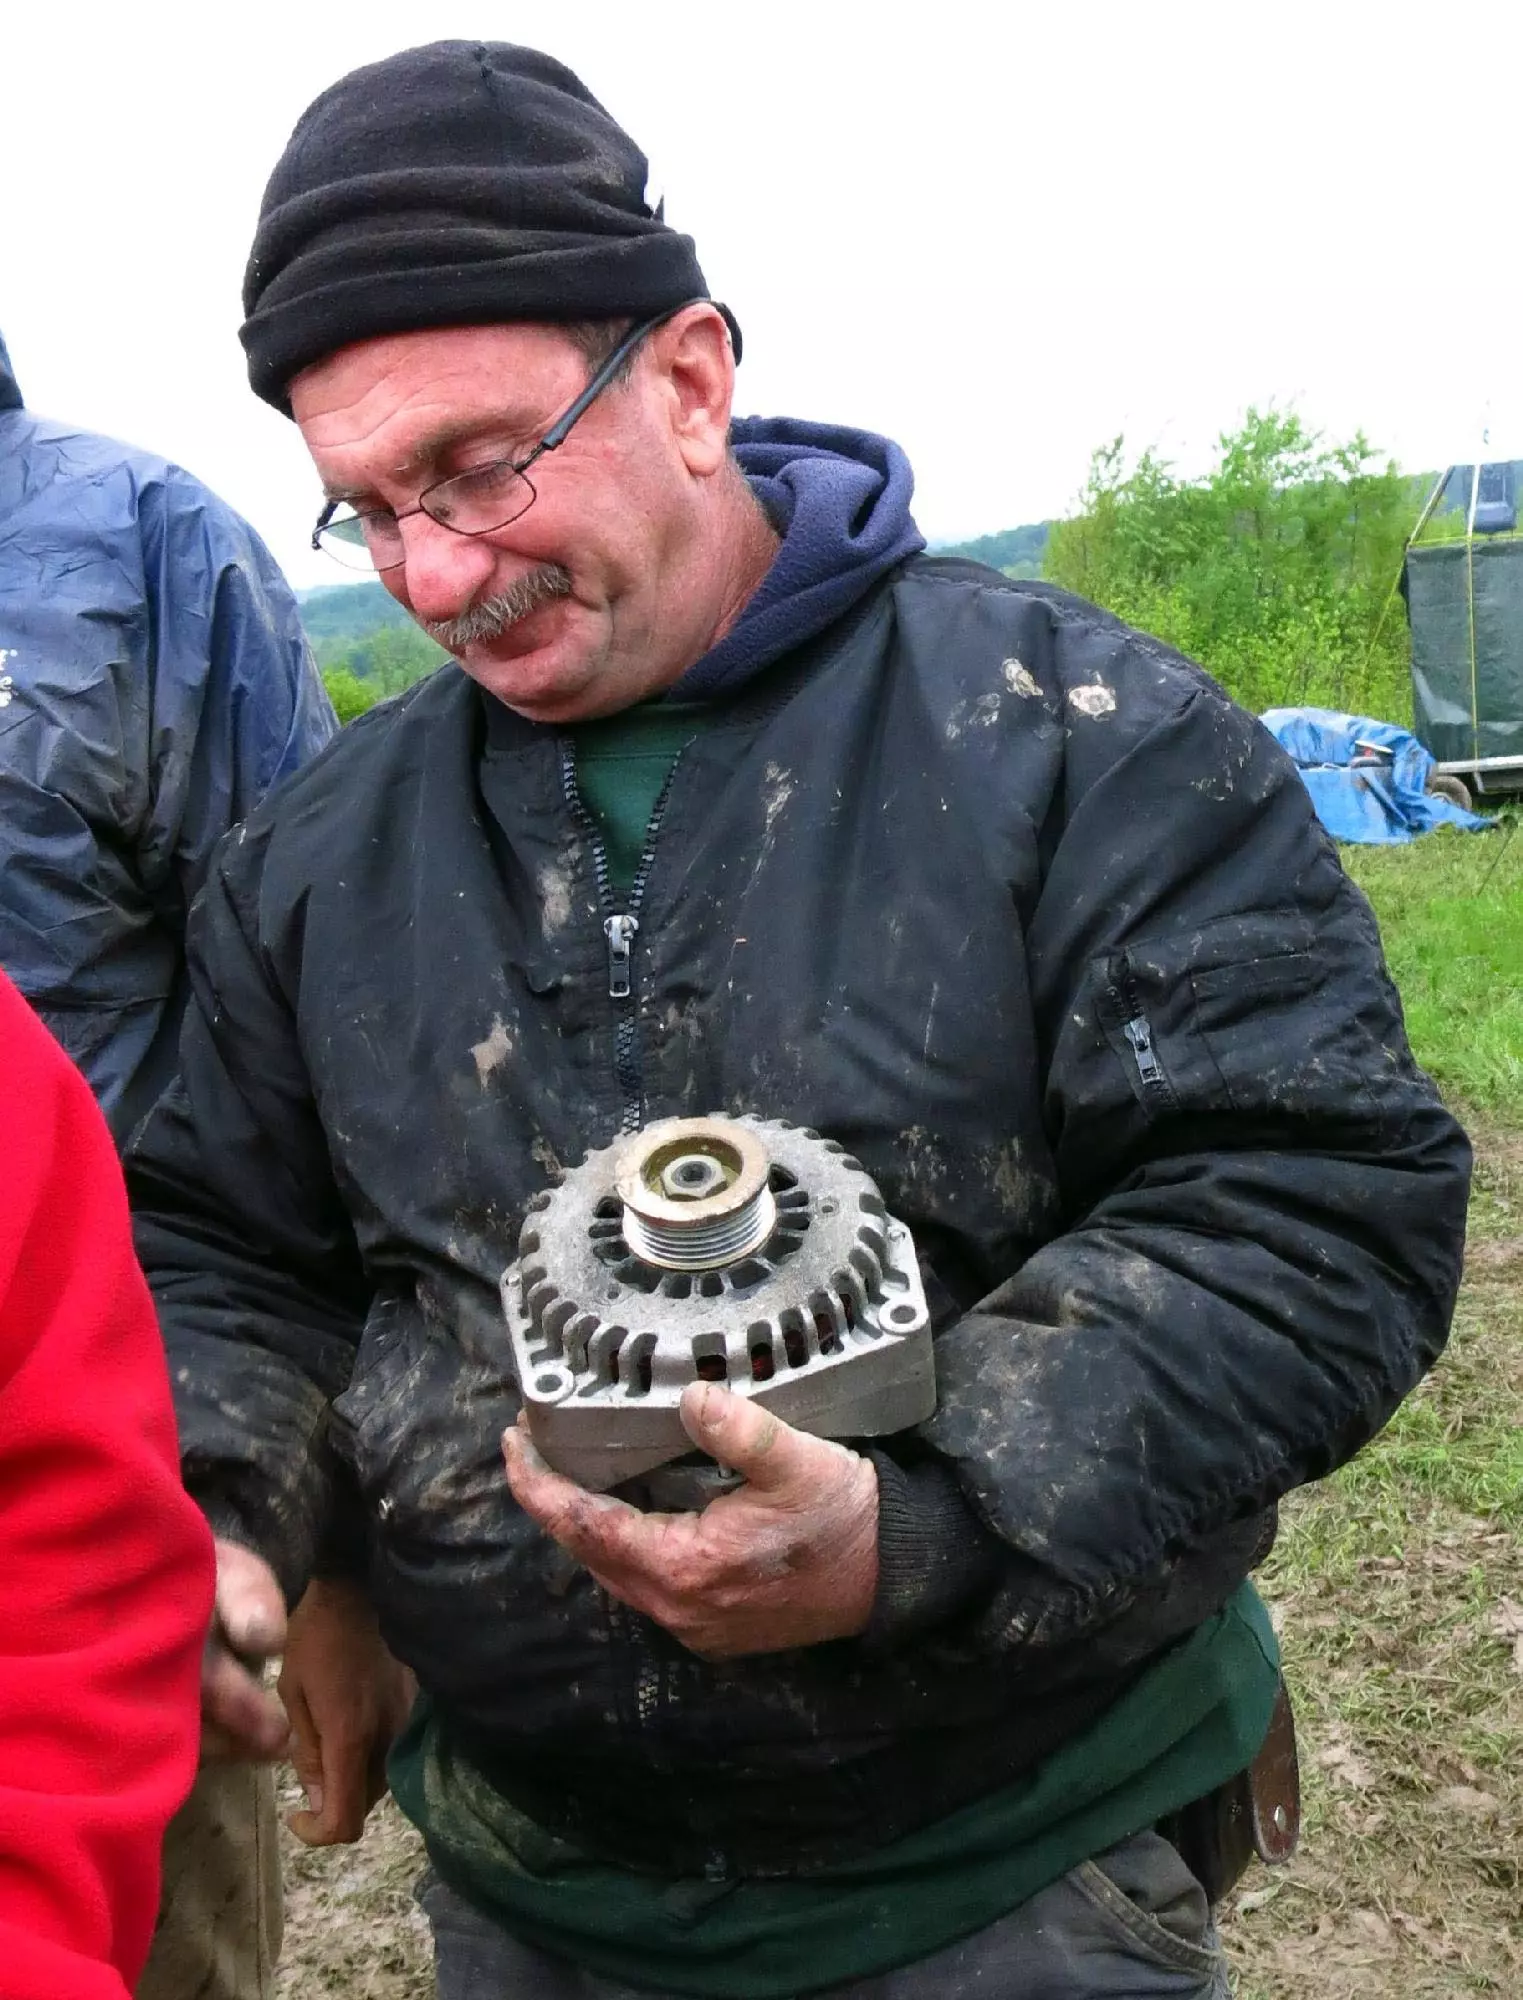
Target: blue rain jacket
column 1368, row 780
column 154, row 684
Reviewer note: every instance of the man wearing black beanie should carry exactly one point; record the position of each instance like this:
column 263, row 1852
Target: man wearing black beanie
column 743, row 801
column 442, row 188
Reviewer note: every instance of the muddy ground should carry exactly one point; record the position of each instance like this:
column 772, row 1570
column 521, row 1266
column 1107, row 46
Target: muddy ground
column 1399, row 1593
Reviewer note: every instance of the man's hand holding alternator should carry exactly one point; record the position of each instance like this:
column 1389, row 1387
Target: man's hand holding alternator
column 789, row 1559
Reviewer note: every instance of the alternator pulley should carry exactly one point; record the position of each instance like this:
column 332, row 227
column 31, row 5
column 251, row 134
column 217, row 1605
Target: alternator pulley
column 738, row 1250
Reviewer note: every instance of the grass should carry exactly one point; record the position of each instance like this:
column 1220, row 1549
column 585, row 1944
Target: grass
column 1451, row 912
column 1397, row 1585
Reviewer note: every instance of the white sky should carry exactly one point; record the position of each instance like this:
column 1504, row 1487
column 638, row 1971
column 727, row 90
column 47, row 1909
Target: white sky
column 1000, row 232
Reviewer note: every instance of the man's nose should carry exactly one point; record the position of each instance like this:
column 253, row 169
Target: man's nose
column 444, row 573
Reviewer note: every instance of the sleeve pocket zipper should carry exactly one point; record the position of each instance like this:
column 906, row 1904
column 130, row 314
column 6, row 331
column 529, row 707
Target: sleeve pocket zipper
column 1138, row 1033
column 1149, row 1068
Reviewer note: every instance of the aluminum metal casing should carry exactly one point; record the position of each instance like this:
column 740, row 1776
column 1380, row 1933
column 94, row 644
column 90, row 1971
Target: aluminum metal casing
column 826, row 1324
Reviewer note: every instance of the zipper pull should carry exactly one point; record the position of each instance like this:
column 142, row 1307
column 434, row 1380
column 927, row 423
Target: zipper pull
column 1140, row 1035
column 620, row 933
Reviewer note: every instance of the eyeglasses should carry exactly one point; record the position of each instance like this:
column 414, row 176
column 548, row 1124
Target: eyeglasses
column 477, row 502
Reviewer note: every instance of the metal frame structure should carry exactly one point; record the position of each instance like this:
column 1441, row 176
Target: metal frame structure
column 1485, row 774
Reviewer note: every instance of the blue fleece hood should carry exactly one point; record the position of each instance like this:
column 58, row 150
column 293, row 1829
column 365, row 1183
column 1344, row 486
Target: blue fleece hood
column 10, row 394
column 840, row 499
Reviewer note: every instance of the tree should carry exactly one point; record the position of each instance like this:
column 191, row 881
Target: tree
column 349, row 694
column 396, row 656
column 359, row 672
column 1275, row 570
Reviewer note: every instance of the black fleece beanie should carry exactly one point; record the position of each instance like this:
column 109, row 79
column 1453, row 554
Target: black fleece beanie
column 460, row 184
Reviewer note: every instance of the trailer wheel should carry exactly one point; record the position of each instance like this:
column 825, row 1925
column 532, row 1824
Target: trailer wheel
column 1443, row 785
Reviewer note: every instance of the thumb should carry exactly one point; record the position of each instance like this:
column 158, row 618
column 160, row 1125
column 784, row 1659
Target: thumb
column 750, row 1440
column 250, row 1608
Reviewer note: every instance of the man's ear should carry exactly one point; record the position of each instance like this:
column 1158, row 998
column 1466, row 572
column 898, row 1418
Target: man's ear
column 697, row 364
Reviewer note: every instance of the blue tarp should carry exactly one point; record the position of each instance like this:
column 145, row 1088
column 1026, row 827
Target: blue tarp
column 1368, row 780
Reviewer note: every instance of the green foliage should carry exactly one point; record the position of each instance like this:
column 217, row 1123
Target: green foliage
column 359, row 672
column 1275, row 570
column 1016, row 551
column 349, row 694
column 389, row 659
column 366, row 645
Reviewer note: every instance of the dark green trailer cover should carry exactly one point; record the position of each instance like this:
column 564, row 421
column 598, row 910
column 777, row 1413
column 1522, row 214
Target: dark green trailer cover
column 1465, row 602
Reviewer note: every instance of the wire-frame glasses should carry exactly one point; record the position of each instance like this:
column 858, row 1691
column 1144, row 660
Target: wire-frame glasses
column 476, row 502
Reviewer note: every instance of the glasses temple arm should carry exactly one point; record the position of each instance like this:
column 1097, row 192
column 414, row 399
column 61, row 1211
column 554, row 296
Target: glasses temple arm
column 556, row 435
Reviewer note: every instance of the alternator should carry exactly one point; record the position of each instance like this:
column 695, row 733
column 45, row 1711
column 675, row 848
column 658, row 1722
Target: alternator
column 737, row 1250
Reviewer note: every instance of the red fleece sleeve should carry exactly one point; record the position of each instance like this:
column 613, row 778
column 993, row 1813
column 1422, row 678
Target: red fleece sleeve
column 105, row 1564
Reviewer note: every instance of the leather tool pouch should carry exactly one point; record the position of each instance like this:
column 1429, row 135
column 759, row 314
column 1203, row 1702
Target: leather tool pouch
column 1256, row 1813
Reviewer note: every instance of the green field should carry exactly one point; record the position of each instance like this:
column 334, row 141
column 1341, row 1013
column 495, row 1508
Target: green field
column 1451, row 911
column 1398, row 1585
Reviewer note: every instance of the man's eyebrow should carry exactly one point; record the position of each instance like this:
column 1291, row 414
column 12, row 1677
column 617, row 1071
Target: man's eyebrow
column 514, row 423
column 510, row 423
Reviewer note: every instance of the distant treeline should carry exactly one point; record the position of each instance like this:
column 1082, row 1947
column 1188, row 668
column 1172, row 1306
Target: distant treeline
column 1017, row 551
column 1276, row 569
column 339, row 613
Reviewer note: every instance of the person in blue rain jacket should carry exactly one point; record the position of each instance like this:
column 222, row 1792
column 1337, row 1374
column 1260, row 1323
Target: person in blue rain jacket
column 154, row 684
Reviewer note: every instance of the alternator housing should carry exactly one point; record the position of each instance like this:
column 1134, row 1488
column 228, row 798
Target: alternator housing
column 738, row 1250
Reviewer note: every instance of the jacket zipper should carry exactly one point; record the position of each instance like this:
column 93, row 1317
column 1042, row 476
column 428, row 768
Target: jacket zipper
column 1138, row 1031
column 620, row 929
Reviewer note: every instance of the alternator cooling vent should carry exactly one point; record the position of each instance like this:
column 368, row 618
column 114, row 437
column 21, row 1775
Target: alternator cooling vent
column 736, row 1250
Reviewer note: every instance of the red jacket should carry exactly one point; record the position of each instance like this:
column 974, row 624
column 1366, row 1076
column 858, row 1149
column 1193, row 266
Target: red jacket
column 105, row 1565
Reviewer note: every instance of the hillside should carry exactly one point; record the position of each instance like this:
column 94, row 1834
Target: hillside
column 1017, row 551
column 367, row 647
column 365, row 644
column 341, row 616
column 340, row 613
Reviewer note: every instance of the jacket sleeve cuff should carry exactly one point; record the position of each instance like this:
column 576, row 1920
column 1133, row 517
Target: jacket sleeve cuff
column 323, row 1533
column 935, row 1556
column 343, row 1550
column 228, row 1523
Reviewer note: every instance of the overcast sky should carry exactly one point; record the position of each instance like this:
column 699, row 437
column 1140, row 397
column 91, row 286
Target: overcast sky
column 1001, row 233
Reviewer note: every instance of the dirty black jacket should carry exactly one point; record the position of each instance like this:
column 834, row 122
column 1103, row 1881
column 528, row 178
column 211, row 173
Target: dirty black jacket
column 1013, row 903
column 154, row 684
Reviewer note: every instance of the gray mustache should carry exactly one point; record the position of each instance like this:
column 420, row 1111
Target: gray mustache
column 493, row 616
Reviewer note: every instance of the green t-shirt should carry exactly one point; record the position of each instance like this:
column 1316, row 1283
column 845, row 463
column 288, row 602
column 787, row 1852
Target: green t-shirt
column 1196, row 1717
column 622, row 762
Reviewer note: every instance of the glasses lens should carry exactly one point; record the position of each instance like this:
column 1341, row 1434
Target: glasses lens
column 362, row 541
column 476, row 502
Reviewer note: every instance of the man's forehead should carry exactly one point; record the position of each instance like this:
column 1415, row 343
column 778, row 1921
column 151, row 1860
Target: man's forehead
column 412, row 397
